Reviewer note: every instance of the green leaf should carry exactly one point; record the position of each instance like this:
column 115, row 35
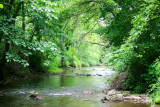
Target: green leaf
column 1, row 6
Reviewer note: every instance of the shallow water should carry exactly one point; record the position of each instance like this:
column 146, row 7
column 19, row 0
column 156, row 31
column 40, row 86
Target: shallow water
column 64, row 90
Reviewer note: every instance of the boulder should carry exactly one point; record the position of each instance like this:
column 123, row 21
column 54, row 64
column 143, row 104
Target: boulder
column 119, row 95
column 105, row 99
column 132, row 97
column 125, row 93
column 147, row 101
column 111, row 92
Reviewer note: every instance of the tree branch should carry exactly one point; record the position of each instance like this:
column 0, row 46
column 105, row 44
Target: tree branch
column 86, row 2
column 66, row 24
column 89, row 31
column 94, row 43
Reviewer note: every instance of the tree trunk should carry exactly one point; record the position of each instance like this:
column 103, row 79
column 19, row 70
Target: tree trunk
column 76, row 33
column 1, row 37
column 62, row 52
column 23, row 17
column 31, row 38
column 3, row 59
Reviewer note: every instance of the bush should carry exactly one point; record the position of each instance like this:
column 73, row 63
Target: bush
column 72, row 58
column 53, row 66
column 154, row 77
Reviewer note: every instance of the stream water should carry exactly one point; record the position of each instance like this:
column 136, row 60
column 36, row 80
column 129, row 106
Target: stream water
column 66, row 90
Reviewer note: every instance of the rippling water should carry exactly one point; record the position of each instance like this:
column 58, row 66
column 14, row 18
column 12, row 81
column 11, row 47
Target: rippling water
column 64, row 90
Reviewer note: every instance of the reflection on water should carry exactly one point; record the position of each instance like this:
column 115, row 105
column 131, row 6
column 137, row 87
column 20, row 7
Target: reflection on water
column 62, row 91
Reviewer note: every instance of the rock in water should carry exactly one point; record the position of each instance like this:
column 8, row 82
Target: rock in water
column 87, row 92
column 105, row 91
column 39, row 98
column 1, row 94
column 88, row 74
column 105, row 98
column 102, row 100
column 33, row 94
column 99, row 74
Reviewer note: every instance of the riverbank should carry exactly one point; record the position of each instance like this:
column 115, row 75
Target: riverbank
column 9, row 78
column 117, row 93
column 113, row 95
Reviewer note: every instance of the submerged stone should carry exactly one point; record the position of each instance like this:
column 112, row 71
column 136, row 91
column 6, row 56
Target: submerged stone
column 1, row 94
column 99, row 74
column 32, row 94
column 39, row 98
column 88, row 74
column 87, row 92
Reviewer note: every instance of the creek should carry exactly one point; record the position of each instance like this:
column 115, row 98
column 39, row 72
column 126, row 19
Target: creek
column 70, row 89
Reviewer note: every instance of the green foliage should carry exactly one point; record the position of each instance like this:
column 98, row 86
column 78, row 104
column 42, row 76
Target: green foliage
column 80, row 18
column 77, row 61
column 53, row 66
column 34, row 33
column 26, row 38
column 1, row 6
column 139, row 43
column 72, row 58
column 154, row 78
column 90, row 54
